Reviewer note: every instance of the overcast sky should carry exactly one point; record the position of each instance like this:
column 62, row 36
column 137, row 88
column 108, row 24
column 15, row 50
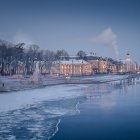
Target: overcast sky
column 107, row 27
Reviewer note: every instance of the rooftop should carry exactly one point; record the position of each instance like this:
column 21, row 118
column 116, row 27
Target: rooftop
column 74, row 61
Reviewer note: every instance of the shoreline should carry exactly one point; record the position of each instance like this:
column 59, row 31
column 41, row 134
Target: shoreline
column 98, row 117
column 18, row 85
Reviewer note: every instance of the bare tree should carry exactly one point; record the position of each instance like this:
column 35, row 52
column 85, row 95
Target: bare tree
column 60, row 54
column 49, row 57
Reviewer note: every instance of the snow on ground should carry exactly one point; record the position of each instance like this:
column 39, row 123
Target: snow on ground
column 15, row 100
column 35, row 114
column 106, row 77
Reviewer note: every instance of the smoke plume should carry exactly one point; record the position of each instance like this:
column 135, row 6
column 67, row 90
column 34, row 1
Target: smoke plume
column 108, row 38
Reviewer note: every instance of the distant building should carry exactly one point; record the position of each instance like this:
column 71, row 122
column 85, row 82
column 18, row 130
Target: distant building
column 103, row 65
column 114, row 66
column 130, row 66
column 69, row 57
column 73, row 67
column 94, row 61
column 91, row 64
column 99, row 64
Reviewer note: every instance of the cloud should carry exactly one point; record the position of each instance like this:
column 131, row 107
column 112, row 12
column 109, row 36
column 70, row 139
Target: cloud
column 108, row 38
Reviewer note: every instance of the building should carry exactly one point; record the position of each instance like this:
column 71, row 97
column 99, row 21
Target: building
column 103, row 65
column 94, row 61
column 99, row 64
column 73, row 67
column 130, row 66
column 115, row 66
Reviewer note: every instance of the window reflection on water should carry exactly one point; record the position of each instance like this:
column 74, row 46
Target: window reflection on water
column 98, row 90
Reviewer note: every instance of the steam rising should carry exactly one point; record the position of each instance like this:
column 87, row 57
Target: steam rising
column 22, row 37
column 108, row 38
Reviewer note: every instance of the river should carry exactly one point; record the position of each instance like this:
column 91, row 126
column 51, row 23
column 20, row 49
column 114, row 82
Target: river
column 70, row 112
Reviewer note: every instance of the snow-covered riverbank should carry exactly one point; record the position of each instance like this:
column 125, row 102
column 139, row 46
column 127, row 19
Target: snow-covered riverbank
column 24, row 84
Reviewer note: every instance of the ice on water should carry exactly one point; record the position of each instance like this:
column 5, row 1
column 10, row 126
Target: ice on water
column 35, row 114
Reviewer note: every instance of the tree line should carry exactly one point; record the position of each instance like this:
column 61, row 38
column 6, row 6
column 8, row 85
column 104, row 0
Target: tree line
column 12, row 56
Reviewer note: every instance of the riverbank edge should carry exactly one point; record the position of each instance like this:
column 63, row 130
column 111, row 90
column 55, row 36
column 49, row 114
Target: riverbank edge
column 49, row 82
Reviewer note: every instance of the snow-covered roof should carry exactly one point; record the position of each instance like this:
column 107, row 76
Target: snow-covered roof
column 74, row 61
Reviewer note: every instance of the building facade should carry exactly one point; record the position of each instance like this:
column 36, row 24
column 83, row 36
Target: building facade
column 73, row 67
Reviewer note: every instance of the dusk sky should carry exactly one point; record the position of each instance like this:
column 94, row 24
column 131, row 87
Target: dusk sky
column 109, row 28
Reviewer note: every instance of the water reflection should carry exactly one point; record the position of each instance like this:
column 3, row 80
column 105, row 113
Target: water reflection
column 40, row 121
column 110, row 111
column 98, row 90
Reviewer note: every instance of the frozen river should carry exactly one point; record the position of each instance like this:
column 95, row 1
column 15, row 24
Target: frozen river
column 37, row 114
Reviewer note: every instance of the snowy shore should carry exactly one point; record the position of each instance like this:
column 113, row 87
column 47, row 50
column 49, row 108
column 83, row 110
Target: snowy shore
column 9, row 84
